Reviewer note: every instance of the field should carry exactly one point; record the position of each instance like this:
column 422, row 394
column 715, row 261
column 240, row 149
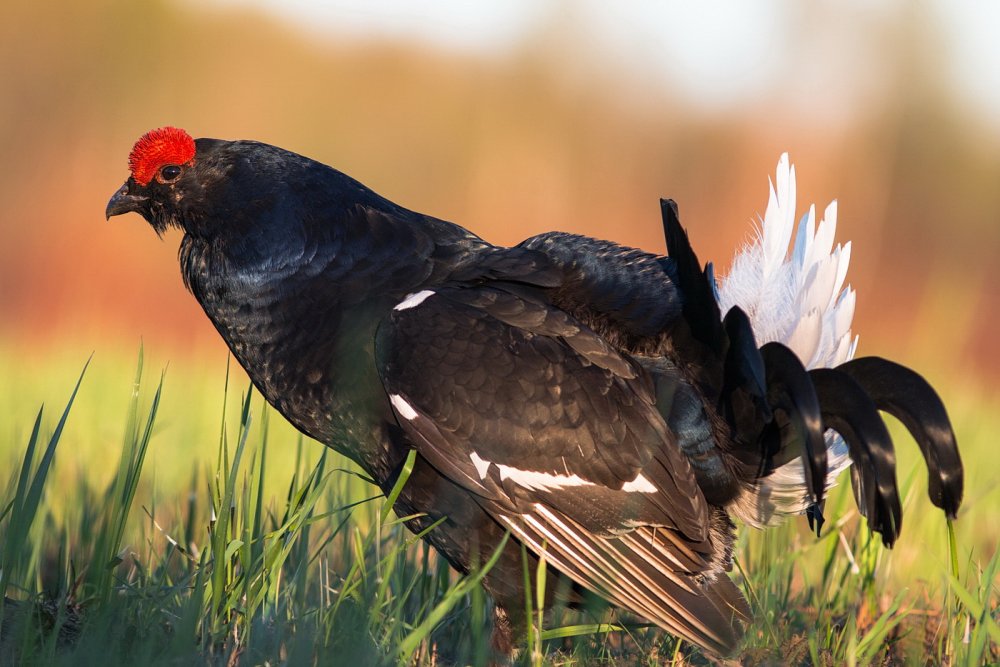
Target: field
column 166, row 516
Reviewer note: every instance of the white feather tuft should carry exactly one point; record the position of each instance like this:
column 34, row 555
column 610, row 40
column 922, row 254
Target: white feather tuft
column 797, row 299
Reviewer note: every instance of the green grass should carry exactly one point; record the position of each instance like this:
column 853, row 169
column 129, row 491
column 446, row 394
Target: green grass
column 177, row 520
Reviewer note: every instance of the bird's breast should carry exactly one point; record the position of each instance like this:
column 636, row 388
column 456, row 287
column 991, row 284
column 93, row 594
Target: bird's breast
column 312, row 360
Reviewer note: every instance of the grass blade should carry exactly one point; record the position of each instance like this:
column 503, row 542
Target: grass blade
column 410, row 643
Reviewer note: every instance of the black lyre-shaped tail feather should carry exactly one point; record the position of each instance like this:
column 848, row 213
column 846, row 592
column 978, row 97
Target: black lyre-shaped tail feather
column 791, row 394
column 907, row 396
column 744, row 389
column 700, row 308
column 847, row 409
column 707, row 347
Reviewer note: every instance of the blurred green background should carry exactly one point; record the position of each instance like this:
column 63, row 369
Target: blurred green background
column 510, row 119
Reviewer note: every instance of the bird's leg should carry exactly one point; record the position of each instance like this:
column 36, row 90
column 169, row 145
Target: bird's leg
column 506, row 631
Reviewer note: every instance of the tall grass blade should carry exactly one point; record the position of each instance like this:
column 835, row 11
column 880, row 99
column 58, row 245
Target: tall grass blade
column 120, row 495
column 221, row 551
column 27, row 499
column 452, row 597
column 397, row 488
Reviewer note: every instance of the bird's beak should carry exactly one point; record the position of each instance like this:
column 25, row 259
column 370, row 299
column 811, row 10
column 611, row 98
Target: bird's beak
column 124, row 202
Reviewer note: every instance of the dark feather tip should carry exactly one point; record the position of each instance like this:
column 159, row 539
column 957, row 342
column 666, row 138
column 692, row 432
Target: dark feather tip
column 907, row 396
column 790, row 390
column 701, row 311
column 814, row 513
column 848, row 410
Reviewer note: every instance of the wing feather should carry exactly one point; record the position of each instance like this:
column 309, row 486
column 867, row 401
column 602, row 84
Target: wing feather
column 632, row 572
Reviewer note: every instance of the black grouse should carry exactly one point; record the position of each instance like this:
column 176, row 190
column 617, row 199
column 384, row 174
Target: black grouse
column 587, row 398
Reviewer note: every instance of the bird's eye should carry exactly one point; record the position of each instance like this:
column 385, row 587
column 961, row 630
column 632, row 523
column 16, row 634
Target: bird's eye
column 169, row 173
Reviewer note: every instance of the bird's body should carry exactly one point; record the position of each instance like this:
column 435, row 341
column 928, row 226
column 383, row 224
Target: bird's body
column 585, row 397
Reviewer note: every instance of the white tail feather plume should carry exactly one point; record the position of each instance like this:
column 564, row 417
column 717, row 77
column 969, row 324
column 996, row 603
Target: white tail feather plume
column 798, row 300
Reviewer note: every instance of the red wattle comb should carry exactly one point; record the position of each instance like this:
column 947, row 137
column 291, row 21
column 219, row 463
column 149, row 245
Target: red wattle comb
column 166, row 145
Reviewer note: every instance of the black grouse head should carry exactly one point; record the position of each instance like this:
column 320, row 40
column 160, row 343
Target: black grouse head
column 235, row 193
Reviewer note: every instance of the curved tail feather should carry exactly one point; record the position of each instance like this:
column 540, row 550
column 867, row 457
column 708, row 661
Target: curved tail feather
column 907, row 396
column 849, row 410
column 799, row 300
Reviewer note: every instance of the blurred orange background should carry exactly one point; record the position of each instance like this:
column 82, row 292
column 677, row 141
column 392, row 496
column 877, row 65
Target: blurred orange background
column 577, row 118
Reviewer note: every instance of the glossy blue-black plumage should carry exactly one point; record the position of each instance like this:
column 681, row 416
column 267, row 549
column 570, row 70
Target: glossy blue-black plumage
column 584, row 395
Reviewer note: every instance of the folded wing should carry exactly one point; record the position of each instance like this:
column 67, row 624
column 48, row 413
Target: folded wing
column 558, row 436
